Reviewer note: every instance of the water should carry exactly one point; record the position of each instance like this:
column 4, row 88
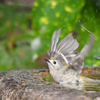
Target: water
column 88, row 87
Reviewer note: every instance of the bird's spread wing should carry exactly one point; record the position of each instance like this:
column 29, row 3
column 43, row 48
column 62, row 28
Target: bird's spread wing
column 54, row 40
column 65, row 50
column 78, row 62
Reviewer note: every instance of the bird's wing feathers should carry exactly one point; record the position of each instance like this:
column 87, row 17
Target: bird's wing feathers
column 78, row 62
column 85, row 50
column 66, row 50
column 54, row 40
column 66, row 47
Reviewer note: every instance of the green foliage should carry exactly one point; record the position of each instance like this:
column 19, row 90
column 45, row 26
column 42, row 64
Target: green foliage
column 15, row 38
column 49, row 15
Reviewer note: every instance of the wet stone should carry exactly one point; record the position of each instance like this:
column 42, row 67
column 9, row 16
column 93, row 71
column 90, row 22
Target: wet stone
column 32, row 85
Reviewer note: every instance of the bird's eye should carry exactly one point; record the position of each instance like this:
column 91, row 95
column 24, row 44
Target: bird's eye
column 54, row 62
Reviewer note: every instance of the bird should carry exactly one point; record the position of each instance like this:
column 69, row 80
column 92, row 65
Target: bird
column 66, row 63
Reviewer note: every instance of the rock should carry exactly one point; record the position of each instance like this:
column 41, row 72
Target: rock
column 32, row 85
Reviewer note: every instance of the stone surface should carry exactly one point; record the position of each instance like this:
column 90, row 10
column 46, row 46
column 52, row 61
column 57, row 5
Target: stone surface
column 32, row 85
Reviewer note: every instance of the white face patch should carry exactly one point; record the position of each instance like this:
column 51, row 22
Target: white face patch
column 56, row 64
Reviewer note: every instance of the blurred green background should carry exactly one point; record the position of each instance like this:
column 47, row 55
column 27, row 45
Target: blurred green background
column 26, row 28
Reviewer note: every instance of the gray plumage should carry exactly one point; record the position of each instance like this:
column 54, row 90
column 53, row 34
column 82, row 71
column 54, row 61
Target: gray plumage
column 66, row 47
column 78, row 62
column 54, row 40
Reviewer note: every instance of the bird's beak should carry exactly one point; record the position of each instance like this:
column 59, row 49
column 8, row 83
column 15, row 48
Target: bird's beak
column 47, row 60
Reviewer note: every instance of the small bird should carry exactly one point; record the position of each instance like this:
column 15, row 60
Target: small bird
column 65, row 62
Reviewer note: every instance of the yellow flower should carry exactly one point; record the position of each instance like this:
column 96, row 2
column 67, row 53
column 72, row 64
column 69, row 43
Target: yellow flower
column 44, row 20
column 53, row 4
column 35, row 56
column 68, row 9
column 35, row 4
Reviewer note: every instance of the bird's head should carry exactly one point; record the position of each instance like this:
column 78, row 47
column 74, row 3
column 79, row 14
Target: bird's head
column 54, row 64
